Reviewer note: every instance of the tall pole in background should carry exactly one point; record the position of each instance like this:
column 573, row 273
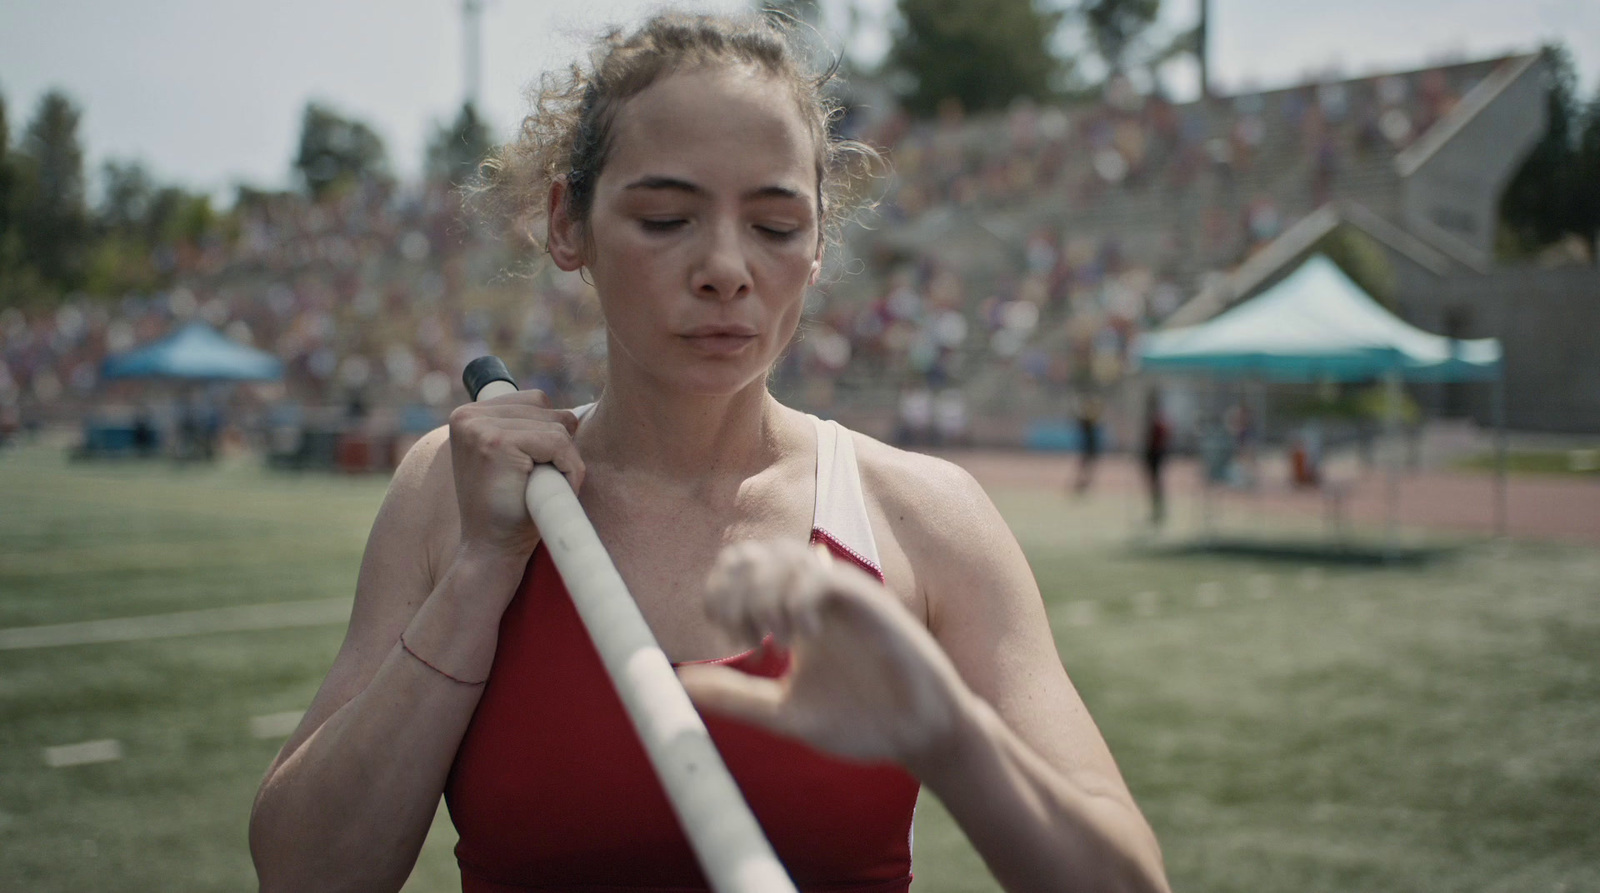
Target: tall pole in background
column 1201, row 42
column 1391, row 426
column 472, row 48
column 1502, row 515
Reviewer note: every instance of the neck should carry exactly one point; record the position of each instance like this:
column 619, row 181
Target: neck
column 686, row 438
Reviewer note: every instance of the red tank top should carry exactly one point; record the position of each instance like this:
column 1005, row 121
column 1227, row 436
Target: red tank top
column 551, row 789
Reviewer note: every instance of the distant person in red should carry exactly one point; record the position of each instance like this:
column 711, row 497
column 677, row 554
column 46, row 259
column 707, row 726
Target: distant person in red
column 855, row 620
column 1157, row 441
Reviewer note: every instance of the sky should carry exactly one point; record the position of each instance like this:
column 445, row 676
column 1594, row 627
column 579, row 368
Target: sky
column 208, row 93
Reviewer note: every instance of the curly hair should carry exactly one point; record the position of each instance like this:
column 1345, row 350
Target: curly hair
column 567, row 136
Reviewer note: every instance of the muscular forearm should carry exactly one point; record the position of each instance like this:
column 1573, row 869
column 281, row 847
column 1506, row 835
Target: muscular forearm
column 1036, row 828
column 350, row 807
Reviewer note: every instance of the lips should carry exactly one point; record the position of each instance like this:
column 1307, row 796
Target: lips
column 721, row 330
column 720, row 339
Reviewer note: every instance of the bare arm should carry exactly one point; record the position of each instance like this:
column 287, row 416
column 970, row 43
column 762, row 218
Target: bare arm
column 1025, row 771
column 348, row 802
column 980, row 710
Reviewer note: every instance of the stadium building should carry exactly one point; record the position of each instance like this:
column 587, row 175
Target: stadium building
column 1015, row 257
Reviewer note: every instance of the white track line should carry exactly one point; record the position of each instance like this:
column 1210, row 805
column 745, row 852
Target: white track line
column 278, row 615
column 102, row 751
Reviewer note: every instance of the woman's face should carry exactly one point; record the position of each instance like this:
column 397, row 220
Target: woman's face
column 703, row 234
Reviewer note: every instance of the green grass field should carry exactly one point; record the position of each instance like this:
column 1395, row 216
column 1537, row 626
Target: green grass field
column 1285, row 724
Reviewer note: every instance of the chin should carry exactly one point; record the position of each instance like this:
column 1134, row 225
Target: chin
column 707, row 386
column 719, row 379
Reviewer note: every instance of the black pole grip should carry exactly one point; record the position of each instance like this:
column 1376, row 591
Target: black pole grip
column 483, row 370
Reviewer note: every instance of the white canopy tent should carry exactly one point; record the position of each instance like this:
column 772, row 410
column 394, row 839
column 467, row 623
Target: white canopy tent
column 1318, row 325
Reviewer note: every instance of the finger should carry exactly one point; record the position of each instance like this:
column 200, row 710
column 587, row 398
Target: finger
column 553, row 444
column 539, row 440
column 774, row 582
column 752, row 699
column 530, row 397
column 475, row 419
column 513, row 411
column 751, row 587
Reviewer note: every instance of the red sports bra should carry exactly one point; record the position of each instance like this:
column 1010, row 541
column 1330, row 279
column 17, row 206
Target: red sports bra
column 551, row 789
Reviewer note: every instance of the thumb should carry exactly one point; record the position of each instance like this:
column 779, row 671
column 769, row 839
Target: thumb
column 753, row 699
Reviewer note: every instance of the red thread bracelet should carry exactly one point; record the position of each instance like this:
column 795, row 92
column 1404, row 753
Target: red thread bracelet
column 424, row 662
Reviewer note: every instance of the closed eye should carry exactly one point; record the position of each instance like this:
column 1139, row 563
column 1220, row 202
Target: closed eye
column 661, row 224
column 777, row 233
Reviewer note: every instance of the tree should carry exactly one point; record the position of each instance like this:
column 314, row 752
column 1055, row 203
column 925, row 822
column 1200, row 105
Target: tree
column 1586, row 185
column 455, row 151
column 128, row 191
column 7, row 184
column 1556, row 192
column 1114, row 27
column 120, row 259
column 177, row 215
column 984, row 53
column 10, row 237
column 136, row 219
column 52, row 216
column 336, row 152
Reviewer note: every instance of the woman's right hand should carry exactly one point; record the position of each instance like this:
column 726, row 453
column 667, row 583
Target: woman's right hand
column 494, row 445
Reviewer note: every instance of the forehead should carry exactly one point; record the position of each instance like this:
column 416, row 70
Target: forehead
column 716, row 127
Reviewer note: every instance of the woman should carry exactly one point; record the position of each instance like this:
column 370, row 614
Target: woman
column 688, row 174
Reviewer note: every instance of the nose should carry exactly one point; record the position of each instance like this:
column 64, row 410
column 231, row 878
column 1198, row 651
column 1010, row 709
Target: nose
column 721, row 272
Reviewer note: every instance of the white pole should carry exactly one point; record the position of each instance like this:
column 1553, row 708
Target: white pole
column 472, row 51
column 726, row 839
column 1501, row 510
column 1391, row 423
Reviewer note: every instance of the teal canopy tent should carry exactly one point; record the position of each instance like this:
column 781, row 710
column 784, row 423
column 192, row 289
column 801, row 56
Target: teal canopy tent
column 195, row 352
column 1317, row 325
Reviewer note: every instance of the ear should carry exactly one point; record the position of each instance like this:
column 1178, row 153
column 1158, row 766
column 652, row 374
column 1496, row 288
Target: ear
column 816, row 264
column 564, row 235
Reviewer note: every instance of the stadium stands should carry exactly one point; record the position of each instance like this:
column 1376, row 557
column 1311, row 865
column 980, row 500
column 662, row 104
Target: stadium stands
column 1011, row 262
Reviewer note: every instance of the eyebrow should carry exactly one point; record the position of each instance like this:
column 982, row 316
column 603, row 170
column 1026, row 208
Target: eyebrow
column 676, row 185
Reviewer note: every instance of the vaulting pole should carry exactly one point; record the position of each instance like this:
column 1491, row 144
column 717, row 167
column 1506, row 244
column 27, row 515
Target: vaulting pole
column 726, row 839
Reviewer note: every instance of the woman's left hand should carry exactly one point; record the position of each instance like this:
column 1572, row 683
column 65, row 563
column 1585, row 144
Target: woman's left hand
column 866, row 681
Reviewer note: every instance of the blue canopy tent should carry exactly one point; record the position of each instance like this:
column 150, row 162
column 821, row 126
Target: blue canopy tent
column 1318, row 325
column 192, row 356
column 195, row 352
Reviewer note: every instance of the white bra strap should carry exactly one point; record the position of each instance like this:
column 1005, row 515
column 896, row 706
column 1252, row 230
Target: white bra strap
column 841, row 509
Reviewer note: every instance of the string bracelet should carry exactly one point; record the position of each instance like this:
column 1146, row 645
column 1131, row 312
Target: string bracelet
column 424, row 662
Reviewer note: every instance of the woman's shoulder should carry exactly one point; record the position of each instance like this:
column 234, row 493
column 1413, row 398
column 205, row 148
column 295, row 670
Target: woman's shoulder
column 930, row 503
column 427, row 460
column 420, row 507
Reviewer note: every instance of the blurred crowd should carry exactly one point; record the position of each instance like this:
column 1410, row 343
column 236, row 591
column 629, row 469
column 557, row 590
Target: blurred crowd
column 373, row 301
column 1131, row 140
column 1041, row 241
column 1006, row 248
